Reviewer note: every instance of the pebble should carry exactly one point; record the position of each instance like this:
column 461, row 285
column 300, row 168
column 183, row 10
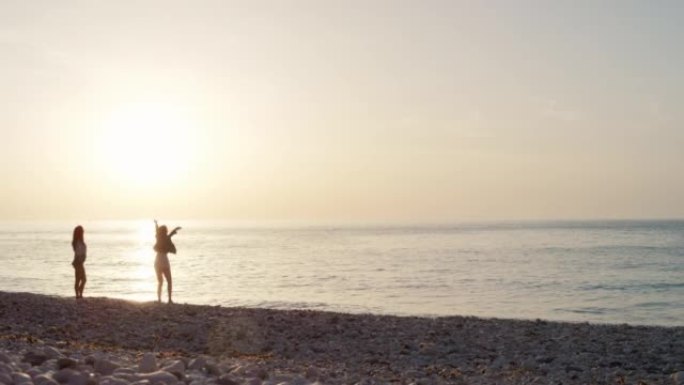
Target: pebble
column 20, row 378
column 176, row 367
column 307, row 348
column 34, row 358
column 33, row 372
column 65, row 362
column 678, row 378
column 227, row 379
column 110, row 380
column 498, row 363
column 212, row 368
column 51, row 352
column 159, row 376
column 4, row 358
column 79, row 378
column 105, row 367
column 5, row 378
column 44, row 379
column 5, row 368
column 63, row 375
column 124, row 371
column 253, row 381
column 148, row 363
column 197, row 363
column 141, row 382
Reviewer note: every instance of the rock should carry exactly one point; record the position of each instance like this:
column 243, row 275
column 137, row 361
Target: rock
column 126, row 377
column 175, row 367
column 44, row 379
column 529, row 363
column 226, row 379
column 65, row 362
column 297, row 380
column 4, row 368
column 62, row 376
column 105, row 367
column 253, row 381
column 4, row 358
column 50, row 364
column 312, row 373
column 5, row 378
column 109, row 380
column 123, row 371
column 498, row 363
column 141, row 382
column 278, row 379
column 197, row 363
column 51, row 352
column 34, row 358
column 678, row 378
column 158, row 377
column 257, row 372
column 33, row 372
column 148, row 364
column 213, row 369
column 79, row 379
column 192, row 376
column 545, row 359
column 20, row 378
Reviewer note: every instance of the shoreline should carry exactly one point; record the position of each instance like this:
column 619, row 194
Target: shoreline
column 309, row 346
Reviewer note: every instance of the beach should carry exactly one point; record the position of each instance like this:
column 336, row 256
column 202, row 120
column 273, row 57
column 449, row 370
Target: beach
column 49, row 340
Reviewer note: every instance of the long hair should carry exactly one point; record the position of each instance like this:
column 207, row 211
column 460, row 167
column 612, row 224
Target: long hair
column 164, row 243
column 162, row 232
column 78, row 236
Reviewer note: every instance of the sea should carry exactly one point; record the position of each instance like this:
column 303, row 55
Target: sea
column 579, row 271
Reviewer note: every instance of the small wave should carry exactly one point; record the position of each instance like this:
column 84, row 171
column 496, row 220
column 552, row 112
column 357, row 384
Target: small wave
column 641, row 287
column 668, row 286
column 654, row 304
column 583, row 310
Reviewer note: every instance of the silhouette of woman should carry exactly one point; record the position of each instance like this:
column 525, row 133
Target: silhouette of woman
column 162, row 267
column 80, row 250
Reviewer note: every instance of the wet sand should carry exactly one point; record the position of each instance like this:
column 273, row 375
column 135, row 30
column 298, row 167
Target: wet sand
column 48, row 340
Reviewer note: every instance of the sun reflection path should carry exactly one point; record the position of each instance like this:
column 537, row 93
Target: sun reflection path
column 142, row 283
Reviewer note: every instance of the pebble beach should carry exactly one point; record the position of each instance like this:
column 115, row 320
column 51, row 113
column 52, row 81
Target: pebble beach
column 48, row 340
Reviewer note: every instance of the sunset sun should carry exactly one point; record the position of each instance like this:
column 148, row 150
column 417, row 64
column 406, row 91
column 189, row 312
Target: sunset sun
column 147, row 144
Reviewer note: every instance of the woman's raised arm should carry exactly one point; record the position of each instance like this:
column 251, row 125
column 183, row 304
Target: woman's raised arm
column 174, row 231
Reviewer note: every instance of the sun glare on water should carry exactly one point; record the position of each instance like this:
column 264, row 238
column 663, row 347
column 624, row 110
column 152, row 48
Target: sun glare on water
column 147, row 144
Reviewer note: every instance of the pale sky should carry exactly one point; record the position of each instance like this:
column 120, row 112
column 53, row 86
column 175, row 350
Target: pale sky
column 399, row 111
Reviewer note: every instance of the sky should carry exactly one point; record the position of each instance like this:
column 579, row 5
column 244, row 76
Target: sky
column 367, row 111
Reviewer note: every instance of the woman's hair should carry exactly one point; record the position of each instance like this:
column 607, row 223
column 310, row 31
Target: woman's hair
column 162, row 230
column 78, row 235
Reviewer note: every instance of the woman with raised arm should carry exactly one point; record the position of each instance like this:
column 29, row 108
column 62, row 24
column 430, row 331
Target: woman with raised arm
column 80, row 251
column 162, row 267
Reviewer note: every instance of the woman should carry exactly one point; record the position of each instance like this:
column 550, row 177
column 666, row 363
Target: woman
column 162, row 266
column 80, row 250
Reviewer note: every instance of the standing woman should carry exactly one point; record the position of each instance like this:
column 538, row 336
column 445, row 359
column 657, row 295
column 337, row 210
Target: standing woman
column 162, row 267
column 80, row 250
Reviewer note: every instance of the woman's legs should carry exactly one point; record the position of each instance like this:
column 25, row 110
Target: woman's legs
column 80, row 280
column 76, row 281
column 83, row 282
column 160, row 281
column 169, row 282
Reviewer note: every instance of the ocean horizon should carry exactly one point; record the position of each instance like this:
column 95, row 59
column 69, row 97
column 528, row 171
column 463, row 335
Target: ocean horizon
column 601, row 271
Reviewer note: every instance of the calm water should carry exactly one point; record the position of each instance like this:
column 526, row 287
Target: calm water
column 613, row 272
